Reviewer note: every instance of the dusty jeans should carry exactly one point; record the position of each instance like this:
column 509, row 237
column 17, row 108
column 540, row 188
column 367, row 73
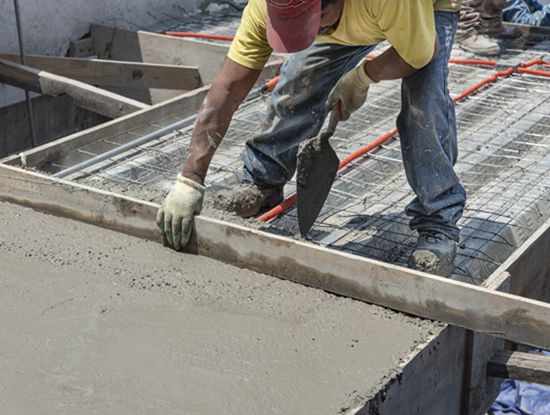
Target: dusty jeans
column 426, row 125
column 528, row 12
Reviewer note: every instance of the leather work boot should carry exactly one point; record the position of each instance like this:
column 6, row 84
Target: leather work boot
column 247, row 199
column 475, row 42
column 434, row 252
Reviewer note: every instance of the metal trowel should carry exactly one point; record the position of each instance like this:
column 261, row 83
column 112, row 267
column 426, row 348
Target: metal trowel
column 316, row 169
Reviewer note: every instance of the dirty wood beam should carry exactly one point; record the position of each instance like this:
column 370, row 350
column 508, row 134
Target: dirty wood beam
column 141, row 46
column 81, row 48
column 529, row 266
column 180, row 106
column 106, row 73
column 85, row 96
column 503, row 315
column 526, row 367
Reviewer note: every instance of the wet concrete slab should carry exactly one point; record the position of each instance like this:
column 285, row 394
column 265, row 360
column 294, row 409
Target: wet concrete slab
column 94, row 321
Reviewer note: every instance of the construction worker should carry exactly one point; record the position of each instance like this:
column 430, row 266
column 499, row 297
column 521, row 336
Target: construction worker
column 480, row 25
column 318, row 76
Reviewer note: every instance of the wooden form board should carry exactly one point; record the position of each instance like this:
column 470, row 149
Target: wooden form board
column 503, row 315
column 186, row 103
column 86, row 96
column 106, row 73
column 140, row 46
column 526, row 367
column 39, row 157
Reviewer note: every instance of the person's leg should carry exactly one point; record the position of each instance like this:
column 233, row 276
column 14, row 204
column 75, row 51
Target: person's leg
column 297, row 113
column 529, row 12
column 468, row 34
column 427, row 129
column 491, row 17
column 298, row 103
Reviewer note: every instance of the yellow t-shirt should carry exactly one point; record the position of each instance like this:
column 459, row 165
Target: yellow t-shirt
column 408, row 25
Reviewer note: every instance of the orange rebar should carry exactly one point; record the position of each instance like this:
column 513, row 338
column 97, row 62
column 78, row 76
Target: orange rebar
column 481, row 62
column 534, row 72
column 270, row 85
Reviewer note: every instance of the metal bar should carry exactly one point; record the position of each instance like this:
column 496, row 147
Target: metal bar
column 30, row 115
column 255, row 93
column 123, row 148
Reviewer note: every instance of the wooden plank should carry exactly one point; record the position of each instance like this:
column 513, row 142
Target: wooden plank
column 503, row 315
column 39, row 157
column 185, row 104
column 105, row 73
column 529, row 266
column 82, row 48
column 526, row 367
column 86, row 96
column 140, row 46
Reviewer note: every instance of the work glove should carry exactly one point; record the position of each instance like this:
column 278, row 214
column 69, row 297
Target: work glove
column 351, row 91
column 177, row 211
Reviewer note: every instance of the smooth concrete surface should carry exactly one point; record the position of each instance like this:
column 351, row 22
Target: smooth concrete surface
column 97, row 322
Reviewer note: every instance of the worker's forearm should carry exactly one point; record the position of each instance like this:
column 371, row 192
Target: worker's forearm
column 226, row 93
column 212, row 123
column 389, row 65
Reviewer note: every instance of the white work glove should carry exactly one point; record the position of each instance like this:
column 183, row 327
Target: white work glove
column 351, row 91
column 177, row 211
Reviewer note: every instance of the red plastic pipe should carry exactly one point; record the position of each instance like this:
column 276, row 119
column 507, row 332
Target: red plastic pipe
column 534, row 72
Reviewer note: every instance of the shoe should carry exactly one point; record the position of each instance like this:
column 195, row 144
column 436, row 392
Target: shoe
column 247, row 200
column 434, row 253
column 479, row 44
column 501, row 31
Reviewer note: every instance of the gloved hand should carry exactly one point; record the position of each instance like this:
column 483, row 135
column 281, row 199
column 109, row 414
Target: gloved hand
column 351, row 91
column 177, row 211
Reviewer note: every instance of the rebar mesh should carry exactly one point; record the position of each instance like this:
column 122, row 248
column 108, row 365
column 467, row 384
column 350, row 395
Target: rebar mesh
column 504, row 138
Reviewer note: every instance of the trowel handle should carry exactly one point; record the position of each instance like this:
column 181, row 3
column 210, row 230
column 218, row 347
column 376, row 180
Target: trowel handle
column 332, row 123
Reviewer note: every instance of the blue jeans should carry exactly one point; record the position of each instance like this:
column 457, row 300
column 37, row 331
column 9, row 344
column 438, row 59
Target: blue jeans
column 528, row 12
column 426, row 124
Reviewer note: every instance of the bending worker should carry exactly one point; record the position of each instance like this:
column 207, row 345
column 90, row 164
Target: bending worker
column 329, row 40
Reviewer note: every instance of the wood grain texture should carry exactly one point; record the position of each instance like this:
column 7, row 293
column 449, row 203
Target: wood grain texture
column 86, row 96
column 526, row 367
column 105, row 73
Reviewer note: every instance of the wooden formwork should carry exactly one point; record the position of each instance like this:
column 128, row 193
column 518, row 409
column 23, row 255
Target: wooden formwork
column 509, row 307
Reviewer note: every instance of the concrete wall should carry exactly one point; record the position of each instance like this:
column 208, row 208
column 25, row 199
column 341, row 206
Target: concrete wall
column 50, row 25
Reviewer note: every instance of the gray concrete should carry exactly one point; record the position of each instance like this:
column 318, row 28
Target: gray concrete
column 50, row 26
column 98, row 322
